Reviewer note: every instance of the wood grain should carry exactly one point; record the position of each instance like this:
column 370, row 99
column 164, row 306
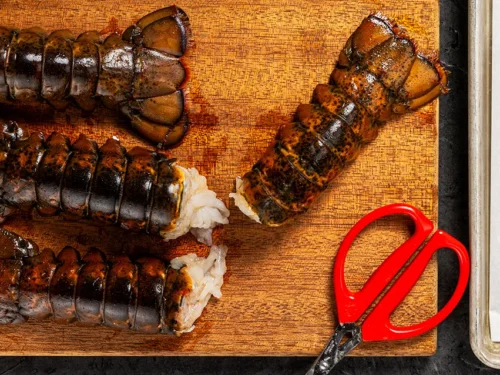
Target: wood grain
column 251, row 65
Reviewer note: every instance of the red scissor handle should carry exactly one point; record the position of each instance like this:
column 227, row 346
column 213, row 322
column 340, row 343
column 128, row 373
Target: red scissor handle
column 377, row 326
column 351, row 306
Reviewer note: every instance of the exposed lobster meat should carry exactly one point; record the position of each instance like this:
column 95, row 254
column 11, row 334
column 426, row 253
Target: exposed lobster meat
column 139, row 189
column 139, row 74
column 146, row 295
column 379, row 73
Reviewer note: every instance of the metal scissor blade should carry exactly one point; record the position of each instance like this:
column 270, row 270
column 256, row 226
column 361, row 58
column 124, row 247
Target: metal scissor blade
column 334, row 352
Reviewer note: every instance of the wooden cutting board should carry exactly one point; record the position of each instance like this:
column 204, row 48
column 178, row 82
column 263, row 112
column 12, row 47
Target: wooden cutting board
column 251, row 64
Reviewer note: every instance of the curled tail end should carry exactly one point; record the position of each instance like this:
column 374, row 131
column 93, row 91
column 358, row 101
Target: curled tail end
column 384, row 48
column 427, row 80
column 157, row 107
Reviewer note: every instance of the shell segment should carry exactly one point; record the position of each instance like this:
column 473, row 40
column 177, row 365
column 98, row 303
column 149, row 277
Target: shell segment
column 150, row 283
column 23, row 71
column 108, row 182
column 57, row 68
column 50, row 174
column 85, row 73
column 63, row 285
column 121, row 286
column 78, row 174
column 36, row 274
column 91, row 283
column 135, row 206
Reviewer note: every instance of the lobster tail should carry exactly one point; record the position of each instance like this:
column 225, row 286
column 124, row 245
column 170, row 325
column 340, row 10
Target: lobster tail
column 146, row 294
column 157, row 105
column 139, row 74
column 379, row 72
column 140, row 190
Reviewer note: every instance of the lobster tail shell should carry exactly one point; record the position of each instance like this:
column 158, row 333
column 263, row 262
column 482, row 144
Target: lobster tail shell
column 140, row 190
column 90, row 287
column 121, row 293
column 34, row 281
column 379, row 73
column 147, row 295
column 382, row 47
column 81, row 180
column 10, row 271
column 139, row 74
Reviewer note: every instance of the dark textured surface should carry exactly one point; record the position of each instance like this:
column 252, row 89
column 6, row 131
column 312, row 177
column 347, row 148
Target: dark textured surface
column 454, row 355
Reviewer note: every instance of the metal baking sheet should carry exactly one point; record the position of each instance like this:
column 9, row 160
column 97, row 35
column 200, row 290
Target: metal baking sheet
column 480, row 85
column 494, row 237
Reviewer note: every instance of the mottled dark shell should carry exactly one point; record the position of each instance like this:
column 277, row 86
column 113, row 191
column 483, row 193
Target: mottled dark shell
column 378, row 73
column 51, row 173
column 85, row 70
column 6, row 37
column 57, row 67
column 75, row 190
column 144, row 295
column 10, row 272
column 23, row 71
column 139, row 190
column 18, row 187
column 166, row 201
column 178, row 283
column 116, row 74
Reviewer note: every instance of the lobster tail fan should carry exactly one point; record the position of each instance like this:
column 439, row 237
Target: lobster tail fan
column 157, row 105
column 164, row 136
column 166, row 30
column 166, row 109
column 427, row 80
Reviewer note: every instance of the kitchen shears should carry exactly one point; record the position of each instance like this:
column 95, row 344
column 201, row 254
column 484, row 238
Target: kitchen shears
column 377, row 325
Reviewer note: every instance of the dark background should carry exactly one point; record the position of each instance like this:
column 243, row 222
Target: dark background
column 454, row 354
